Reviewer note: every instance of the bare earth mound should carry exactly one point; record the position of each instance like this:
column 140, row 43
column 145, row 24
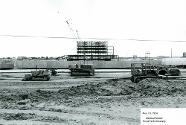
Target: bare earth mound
column 115, row 101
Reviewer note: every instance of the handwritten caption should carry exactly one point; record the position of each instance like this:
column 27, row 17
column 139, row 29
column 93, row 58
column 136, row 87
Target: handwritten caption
column 163, row 116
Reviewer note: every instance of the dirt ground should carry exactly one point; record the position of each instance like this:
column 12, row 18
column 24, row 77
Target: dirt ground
column 84, row 101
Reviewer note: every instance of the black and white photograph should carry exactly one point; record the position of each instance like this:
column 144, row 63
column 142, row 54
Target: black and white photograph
column 92, row 62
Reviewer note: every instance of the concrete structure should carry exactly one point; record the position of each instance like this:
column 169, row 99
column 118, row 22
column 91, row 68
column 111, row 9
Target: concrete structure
column 174, row 61
column 60, row 64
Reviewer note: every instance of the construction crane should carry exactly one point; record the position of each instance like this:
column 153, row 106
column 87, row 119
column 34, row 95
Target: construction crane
column 80, row 70
column 75, row 35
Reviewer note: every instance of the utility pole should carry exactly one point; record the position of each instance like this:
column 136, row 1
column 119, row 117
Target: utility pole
column 171, row 52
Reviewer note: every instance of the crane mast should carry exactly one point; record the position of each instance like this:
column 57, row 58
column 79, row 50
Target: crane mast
column 75, row 34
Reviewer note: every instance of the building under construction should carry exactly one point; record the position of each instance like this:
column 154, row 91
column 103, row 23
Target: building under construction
column 93, row 50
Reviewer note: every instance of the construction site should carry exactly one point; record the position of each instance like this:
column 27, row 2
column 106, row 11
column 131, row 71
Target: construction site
column 94, row 86
column 85, row 91
column 92, row 62
column 105, row 98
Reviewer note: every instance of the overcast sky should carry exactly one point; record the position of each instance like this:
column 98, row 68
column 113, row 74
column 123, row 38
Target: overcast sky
column 120, row 20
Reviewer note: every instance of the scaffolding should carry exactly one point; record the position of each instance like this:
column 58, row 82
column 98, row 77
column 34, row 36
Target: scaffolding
column 93, row 50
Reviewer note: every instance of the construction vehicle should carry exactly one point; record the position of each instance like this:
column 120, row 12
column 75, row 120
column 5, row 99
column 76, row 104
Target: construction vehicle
column 38, row 75
column 168, row 71
column 81, row 70
column 140, row 71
